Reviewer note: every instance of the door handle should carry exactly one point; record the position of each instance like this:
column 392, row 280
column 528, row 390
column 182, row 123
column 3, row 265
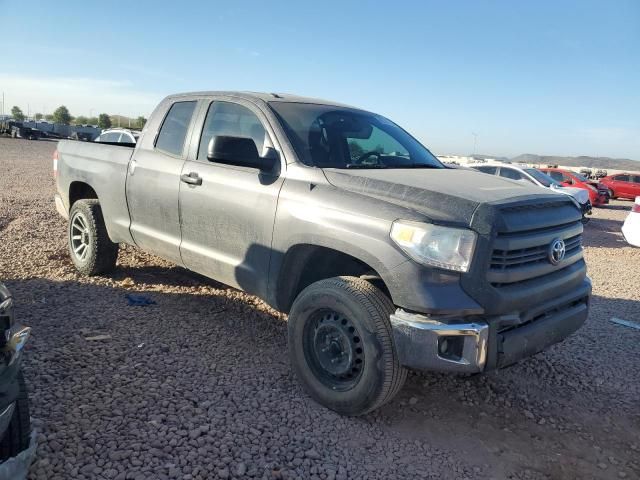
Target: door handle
column 191, row 178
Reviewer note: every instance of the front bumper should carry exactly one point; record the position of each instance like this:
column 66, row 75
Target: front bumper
column 462, row 346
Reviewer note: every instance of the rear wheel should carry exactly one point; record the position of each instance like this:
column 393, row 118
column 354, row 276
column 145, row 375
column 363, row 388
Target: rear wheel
column 16, row 437
column 341, row 345
column 91, row 249
column 611, row 195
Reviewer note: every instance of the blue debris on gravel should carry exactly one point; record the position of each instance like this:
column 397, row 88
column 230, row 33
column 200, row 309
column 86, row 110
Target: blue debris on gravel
column 138, row 300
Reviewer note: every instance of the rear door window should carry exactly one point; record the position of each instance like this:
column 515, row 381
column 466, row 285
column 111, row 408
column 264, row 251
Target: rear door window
column 487, row 169
column 509, row 173
column 174, row 128
column 622, row 178
column 557, row 176
column 110, row 137
column 635, row 179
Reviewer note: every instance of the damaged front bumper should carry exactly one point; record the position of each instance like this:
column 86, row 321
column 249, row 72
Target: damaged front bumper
column 425, row 343
column 11, row 353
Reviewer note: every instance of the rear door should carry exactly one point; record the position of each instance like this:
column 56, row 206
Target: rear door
column 153, row 181
column 227, row 218
column 621, row 186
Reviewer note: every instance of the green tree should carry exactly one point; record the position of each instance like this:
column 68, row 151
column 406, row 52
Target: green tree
column 104, row 121
column 81, row 120
column 140, row 121
column 62, row 115
column 92, row 120
column 38, row 116
column 48, row 117
column 17, row 114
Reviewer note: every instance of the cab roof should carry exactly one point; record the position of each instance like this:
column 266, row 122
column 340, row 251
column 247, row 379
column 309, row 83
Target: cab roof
column 262, row 96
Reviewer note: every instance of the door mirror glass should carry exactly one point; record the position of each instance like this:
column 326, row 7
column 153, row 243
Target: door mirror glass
column 241, row 151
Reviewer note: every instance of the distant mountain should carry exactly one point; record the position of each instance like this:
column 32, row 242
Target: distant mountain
column 590, row 162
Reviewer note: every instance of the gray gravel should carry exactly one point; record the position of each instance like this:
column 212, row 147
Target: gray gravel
column 198, row 386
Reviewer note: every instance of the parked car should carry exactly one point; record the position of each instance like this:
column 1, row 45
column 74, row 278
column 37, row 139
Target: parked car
column 118, row 135
column 18, row 130
column 568, row 178
column 631, row 226
column 383, row 258
column 531, row 175
column 622, row 185
column 15, row 426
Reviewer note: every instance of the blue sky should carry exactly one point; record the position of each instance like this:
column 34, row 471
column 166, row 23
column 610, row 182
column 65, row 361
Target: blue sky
column 547, row 77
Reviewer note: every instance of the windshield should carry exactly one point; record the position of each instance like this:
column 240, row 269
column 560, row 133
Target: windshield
column 543, row 178
column 333, row 137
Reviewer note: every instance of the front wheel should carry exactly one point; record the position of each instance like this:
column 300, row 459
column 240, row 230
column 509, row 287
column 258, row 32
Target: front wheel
column 91, row 249
column 341, row 345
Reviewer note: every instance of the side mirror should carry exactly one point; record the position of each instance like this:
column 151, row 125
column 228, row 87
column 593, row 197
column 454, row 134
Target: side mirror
column 240, row 151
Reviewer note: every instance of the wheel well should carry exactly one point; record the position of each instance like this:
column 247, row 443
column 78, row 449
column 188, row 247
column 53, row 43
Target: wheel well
column 306, row 264
column 80, row 191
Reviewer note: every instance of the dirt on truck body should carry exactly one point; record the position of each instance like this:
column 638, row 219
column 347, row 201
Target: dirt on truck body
column 384, row 259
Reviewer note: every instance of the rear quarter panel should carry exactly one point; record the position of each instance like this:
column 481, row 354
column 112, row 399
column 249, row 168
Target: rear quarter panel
column 103, row 168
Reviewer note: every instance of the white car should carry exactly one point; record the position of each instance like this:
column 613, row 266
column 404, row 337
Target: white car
column 118, row 135
column 631, row 226
column 531, row 175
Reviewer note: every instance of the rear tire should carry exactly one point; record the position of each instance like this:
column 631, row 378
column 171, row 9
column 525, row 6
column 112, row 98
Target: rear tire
column 611, row 195
column 90, row 247
column 341, row 345
column 16, row 437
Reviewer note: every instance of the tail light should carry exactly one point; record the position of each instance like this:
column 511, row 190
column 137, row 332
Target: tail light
column 55, row 163
column 636, row 206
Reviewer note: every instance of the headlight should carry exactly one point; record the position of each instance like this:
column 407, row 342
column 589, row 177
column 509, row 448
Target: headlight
column 443, row 247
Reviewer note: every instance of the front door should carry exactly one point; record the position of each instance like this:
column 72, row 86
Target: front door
column 227, row 217
column 153, row 183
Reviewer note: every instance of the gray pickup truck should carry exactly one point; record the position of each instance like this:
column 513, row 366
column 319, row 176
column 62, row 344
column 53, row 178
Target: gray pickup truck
column 384, row 258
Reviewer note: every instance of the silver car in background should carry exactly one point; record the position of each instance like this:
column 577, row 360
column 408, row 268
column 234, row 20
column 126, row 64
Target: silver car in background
column 532, row 175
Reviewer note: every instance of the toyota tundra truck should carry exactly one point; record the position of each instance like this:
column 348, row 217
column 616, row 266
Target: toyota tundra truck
column 383, row 258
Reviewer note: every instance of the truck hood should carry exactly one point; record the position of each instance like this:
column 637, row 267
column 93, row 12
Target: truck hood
column 443, row 195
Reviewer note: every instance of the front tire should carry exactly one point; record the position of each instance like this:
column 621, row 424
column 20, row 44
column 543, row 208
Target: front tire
column 341, row 345
column 90, row 247
column 16, row 437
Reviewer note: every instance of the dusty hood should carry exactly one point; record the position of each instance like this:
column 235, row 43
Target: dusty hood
column 446, row 195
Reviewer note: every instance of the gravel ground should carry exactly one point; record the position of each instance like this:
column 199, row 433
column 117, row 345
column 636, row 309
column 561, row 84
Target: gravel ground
column 198, row 385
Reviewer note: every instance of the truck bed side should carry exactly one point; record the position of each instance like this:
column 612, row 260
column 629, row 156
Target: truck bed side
column 103, row 169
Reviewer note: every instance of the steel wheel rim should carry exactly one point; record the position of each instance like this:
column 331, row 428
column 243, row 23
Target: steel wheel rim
column 80, row 236
column 334, row 351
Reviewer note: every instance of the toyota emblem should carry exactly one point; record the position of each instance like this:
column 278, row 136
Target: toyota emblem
column 556, row 251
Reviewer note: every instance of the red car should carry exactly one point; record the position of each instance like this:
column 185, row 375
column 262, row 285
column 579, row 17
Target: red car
column 572, row 179
column 622, row 185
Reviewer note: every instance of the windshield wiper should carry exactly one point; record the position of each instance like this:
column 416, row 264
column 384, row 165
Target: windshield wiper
column 365, row 165
column 419, row 165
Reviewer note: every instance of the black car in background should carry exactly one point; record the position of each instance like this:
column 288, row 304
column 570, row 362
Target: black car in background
column 15, row 426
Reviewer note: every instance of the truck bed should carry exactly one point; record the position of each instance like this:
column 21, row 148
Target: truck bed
column 104, row 167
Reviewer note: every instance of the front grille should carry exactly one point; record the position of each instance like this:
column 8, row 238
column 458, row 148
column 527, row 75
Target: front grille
column 509, row 259
column 522, row 255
